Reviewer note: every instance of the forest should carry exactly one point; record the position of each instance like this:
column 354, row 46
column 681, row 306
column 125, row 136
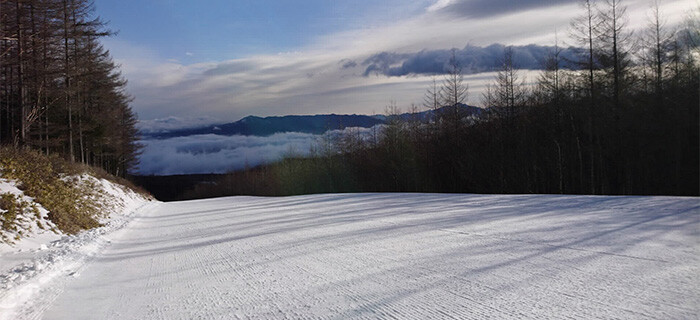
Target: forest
column 624, row 121
column 60, row 91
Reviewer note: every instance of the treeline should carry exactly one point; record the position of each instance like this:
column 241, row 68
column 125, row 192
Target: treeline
column 60, row 91
column 625, row 122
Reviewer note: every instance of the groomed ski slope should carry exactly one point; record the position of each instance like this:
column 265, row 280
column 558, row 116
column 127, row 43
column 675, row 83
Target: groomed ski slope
column 387, row 256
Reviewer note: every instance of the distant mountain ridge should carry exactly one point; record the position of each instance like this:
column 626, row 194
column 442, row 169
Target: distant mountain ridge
column 313, row 124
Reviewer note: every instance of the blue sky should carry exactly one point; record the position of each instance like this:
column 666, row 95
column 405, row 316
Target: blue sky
column 226, row 59
column 198, row 31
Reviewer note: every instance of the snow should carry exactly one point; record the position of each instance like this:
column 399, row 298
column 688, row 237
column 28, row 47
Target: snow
column 42, row 255
column 34, row 231
column 379, row 256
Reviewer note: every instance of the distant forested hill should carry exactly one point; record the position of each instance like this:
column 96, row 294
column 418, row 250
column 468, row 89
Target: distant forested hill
column 314, row 124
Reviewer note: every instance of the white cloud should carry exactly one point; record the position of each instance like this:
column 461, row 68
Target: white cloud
column 439, row 4
column 219, row 154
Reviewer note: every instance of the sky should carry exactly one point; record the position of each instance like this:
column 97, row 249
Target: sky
column 221, row 60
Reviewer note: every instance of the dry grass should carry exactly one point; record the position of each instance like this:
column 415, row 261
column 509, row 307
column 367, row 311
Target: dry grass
column 73, row 205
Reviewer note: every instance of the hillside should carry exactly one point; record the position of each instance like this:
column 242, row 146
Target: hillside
column 44, row 200
column 384, row 256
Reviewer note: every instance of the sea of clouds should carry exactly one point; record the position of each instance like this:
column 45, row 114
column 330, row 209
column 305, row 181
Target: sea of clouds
column 211, row 153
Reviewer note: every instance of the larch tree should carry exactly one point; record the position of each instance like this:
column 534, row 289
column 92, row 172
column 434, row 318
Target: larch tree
column 60, row 92
column 454, row 91
column 583, row 31
column 614, row 47
column 509, row 91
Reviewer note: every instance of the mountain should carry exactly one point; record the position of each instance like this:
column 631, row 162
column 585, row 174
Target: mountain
column 313, row 124
column 258, row 126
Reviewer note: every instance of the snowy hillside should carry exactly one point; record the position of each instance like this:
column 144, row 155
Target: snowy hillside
column 373, row 256
column 33, row 226
column 34, row 250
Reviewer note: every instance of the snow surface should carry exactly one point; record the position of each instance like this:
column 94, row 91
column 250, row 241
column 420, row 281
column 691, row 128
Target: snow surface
column 383, row 256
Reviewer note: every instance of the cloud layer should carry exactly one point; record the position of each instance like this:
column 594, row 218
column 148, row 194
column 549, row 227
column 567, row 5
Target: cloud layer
column 220, row 154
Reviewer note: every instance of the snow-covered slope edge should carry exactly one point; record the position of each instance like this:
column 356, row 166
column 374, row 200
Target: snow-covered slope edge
column 38, row 252
column 30, row 229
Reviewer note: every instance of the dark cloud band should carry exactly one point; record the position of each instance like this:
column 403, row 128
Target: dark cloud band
column 490, row 8
column 473, row 59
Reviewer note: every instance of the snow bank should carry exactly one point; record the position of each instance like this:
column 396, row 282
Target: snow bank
column 33, row 230
column 43, row 252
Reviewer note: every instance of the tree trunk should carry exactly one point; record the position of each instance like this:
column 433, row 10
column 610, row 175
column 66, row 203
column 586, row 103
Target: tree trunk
column 68, row 81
